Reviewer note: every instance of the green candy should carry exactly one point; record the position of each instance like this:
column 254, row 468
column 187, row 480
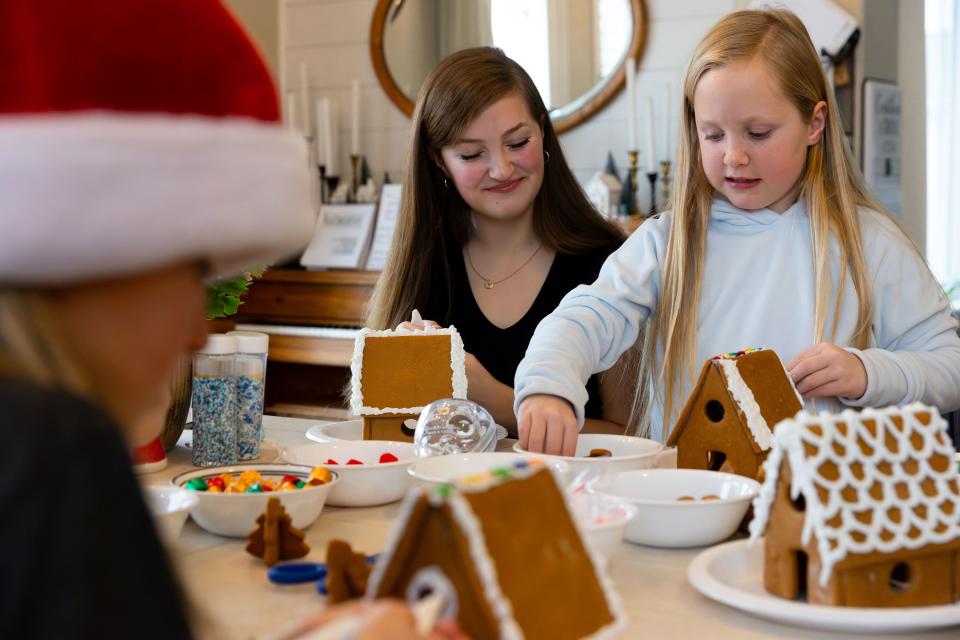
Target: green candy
column 197, row 484
column 300, row 484
column 443, row 491
column 254, row 488
column 502, row 473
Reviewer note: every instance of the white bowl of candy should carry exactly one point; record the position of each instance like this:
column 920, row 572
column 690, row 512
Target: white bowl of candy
column 446, row 469
column 680, row 507
column 231, row 498
column 371, row 472
column 606, row 453
column 170, row 507
column 601, row 520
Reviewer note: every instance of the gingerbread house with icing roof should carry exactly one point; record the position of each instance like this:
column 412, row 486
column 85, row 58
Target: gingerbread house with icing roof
column 395, row 373
column 506, row 557
column 728, row 419
column 861, row 509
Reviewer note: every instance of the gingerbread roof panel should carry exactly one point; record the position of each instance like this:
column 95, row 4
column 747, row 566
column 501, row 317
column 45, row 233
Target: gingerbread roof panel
column 760, row 388
column 401, row 371
column 881, row 480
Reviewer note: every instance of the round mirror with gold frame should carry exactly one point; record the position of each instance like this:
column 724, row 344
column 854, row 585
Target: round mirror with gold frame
column 574, row 50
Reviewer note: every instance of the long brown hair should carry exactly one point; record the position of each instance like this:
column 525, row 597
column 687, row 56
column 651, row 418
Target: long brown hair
column 831, row 185
column 434, row 221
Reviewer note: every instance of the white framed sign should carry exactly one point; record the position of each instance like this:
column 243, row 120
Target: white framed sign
column 882, row 144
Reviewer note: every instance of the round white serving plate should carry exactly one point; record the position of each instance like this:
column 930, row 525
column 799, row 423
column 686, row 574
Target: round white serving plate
column 732, row 574
column 336, row 431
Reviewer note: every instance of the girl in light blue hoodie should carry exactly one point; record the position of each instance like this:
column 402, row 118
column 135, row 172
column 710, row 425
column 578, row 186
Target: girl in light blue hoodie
column 773, row 241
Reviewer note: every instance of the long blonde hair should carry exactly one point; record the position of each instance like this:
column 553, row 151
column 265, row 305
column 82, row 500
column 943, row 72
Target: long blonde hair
column 31, row 347
column 434, row 221
column 831, row 185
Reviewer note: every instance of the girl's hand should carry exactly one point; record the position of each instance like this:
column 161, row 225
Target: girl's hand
column 828, row 370
column 427, row 324
column 547, row 424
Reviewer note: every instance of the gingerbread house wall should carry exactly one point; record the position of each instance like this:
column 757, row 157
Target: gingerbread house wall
column 858, row 581
column 783, row 545
column 432, row 538
column 703, row 433
column 401, row 371
column 388, row 426
column 932, row 580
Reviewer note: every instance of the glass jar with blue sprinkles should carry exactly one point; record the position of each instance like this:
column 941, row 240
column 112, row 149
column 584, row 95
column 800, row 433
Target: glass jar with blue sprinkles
column 215, row 402
column 251, row 375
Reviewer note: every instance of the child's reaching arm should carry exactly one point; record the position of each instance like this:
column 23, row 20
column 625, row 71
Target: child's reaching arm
column 916, row 357
column 593, row 325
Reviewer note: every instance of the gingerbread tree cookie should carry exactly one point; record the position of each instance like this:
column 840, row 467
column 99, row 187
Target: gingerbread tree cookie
column 347, row 572
column 275, row 537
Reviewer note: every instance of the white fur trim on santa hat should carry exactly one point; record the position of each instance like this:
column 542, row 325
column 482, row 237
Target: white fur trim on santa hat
column 88, row 195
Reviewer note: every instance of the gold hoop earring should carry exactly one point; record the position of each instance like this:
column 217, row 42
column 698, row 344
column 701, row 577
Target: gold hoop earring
column 547, row 154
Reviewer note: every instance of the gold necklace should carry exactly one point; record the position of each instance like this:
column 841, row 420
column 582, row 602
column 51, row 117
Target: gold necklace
column 487, row 282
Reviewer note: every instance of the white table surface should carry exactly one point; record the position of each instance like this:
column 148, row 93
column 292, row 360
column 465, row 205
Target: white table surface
column 232, row 589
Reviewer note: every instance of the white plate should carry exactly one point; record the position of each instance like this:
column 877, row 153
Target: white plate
column 732, row 574
column 353, row 430
column 336, row 431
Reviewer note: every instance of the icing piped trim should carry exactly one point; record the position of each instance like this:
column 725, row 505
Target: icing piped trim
column 744, row 397
column 457, row 367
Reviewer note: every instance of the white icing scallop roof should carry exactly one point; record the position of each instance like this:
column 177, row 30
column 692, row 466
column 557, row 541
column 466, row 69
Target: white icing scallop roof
column 869, row 483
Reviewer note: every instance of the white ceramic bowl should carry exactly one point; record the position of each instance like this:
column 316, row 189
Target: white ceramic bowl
column 442, row 469
column 605, row 535
column 628, row 453
column 336, row 431
column 170, row 507
column 664, row 521
column 235, row 514
column 361, row 485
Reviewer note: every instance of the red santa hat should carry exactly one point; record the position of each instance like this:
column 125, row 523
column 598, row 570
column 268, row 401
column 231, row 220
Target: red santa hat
column 137, row 135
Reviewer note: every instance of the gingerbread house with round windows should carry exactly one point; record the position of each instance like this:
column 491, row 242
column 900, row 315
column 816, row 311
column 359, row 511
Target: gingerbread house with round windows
column 861, row 509
column 728, row 419
column 395, row 373
column 504, row 554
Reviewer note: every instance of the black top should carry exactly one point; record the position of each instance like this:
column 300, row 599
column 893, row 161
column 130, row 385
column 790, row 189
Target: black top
column 500, row 350
column 80, row 557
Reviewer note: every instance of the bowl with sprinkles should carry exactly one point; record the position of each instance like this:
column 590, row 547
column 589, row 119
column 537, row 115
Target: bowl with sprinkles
column 231, row 498
column 372, row 472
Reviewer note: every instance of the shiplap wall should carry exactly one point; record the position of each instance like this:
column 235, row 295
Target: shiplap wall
column 332, row 38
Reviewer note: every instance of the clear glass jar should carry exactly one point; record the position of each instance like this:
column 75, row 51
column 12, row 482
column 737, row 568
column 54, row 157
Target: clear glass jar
column 215, row 402
column 251, row 371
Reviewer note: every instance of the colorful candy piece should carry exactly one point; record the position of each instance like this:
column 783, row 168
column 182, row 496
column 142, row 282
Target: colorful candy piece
column 320, row 475
column 254, row 488
column 197, row 484
column 331, row 461
column 354, row 461
column 388, row 457
column 217, row 483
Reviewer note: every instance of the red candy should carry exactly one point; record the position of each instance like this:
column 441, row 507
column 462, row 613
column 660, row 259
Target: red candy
column 331, row 461
column 388, row 457
column 354, row 461
column 291, row 479
column 216, row 482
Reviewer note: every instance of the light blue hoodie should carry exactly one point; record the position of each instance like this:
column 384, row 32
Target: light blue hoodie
column 758, row 290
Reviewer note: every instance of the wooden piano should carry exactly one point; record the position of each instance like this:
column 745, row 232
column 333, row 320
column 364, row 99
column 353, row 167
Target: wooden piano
column 312, row 318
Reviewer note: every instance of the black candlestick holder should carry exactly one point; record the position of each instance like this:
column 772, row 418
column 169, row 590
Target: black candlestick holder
column 652, row 177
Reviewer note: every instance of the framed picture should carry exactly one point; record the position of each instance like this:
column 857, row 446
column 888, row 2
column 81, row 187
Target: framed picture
column 882, row 142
